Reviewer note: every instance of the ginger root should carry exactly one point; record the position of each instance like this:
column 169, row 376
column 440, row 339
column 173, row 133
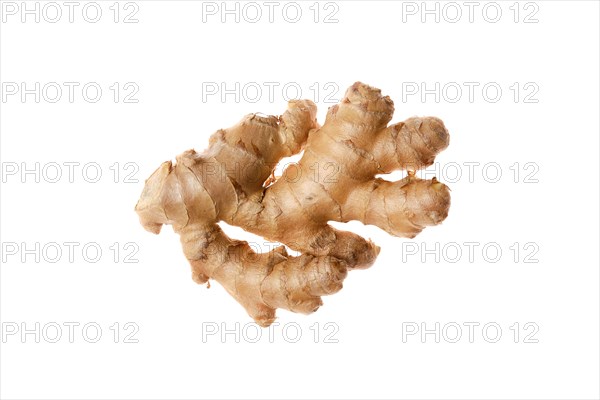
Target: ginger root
column 232, row 181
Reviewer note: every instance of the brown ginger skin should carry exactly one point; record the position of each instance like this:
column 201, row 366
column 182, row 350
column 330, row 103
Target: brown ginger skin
column 333, row 181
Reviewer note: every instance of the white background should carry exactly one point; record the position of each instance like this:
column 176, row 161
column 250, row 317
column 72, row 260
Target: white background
column 171, row 54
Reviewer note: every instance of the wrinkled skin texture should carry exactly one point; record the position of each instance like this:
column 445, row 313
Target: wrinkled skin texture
column 334, row 180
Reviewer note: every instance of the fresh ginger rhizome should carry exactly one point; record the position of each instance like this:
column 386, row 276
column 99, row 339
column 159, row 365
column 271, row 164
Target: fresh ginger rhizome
column 295, row 209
